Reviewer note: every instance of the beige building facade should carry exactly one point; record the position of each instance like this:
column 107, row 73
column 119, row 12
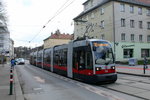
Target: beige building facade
column 53, row 42
column 57, row 39
column 123, row 22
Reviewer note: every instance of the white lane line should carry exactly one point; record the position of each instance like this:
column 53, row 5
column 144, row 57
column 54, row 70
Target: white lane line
column 37, row 89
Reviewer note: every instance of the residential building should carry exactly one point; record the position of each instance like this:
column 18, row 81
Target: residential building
column 6, row 44
column 57, row 39
column 125, row 23
column 11, row 48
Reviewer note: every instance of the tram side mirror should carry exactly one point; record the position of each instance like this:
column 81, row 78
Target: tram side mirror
column 94, row 48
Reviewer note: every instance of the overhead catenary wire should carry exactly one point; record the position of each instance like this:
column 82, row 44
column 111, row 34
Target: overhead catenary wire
column 60, row 10
column 56, row 12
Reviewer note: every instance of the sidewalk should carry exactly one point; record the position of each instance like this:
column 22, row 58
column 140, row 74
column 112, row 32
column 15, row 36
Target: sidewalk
column 133, row 70
column 5, row 85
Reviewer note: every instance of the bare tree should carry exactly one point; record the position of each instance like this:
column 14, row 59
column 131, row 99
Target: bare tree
column 3, row 15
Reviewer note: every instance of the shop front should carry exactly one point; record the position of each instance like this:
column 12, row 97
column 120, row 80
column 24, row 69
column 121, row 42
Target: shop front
column 126, row 51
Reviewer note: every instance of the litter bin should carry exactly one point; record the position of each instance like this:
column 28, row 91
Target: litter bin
column 132, row 62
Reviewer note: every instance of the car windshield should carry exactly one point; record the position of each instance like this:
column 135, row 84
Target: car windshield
column 103, row 53
column 20, row 59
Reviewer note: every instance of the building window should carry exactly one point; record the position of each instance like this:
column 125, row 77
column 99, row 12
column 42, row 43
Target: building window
column 131, row 9
column 102, row 36
column 140, row 38
column 145, row 52
column 1, row 38
column 102, row 11
column 122, row 7
column 102, row 24
column 132, row 37
column 148, row 12
column 92, row 15
column 148, row 25
column 132, row 23
column 122, row 22
column 91, row 3
column 128, row 53
column 87, row 18
column 148, row 38
column 140, row 11
column 123, row 36
column 1, row 45
column 140, row 24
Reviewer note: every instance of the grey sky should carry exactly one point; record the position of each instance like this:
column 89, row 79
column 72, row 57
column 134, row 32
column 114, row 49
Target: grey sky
column 27, row 17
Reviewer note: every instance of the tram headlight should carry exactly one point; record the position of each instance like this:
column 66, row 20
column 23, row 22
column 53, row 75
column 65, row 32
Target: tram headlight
column 113, row 67
column 98, row 68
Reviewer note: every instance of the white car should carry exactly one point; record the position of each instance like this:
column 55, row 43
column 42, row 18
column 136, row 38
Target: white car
column 20, row 61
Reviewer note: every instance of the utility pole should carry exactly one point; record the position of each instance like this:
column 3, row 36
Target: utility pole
column 114, row 35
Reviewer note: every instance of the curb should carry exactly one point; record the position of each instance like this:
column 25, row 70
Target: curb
column 133, row 74
column 18, row 91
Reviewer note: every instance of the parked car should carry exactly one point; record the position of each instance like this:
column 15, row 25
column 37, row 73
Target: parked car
column 20, row 61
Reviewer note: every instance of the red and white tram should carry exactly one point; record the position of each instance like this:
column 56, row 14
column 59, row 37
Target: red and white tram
column 88, row 60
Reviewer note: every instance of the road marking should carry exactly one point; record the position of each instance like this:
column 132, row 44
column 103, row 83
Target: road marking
column 131, row 68
column 39, row 79
column 37, row 89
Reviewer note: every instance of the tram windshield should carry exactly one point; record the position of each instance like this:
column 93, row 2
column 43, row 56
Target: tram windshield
column 103, row 52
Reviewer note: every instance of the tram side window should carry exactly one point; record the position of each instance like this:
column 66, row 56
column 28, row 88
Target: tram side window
column 60, row 57
column 75, row 61
column 89, row 60
column 40, row 57
column 79, row 59
column 48, row 60
column 44, row 58
column 56, row 58
column 34, row 58
column 82, row 58
column 64, row 57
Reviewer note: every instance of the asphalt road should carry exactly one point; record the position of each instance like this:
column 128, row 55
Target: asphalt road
column 42, row 85
column 38, row 84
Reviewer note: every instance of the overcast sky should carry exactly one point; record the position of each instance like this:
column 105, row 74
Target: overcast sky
column 27, row 17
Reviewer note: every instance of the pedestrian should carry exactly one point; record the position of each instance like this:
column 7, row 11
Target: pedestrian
column 13, row 63
column 145, row 62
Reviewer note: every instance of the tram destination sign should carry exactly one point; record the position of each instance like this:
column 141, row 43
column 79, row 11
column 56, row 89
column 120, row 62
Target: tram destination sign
column 99, row 44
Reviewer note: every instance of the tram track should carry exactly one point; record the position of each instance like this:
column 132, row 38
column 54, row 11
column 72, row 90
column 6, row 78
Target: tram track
column 125, row 93
column 140, row 81
column 130, row 82
column 145, row 80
